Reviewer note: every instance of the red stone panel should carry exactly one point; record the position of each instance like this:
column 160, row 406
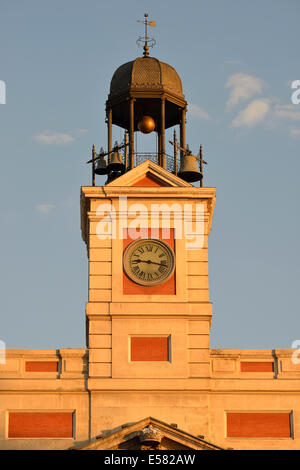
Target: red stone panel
column 40, row 424
column 258, row 425
column 149, row 348
column 257, row 366
column 41, row 366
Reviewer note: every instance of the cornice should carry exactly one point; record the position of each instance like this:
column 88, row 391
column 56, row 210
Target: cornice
column 102, row 192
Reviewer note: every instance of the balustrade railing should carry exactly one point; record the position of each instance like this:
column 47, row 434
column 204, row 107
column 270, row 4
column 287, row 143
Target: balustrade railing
column 141, row 157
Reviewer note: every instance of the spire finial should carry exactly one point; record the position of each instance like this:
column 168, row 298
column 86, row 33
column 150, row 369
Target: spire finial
column 146, row 41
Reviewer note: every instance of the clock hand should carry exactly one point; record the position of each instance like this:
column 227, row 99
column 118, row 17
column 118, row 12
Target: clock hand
column 153, row 262
column 135, row 261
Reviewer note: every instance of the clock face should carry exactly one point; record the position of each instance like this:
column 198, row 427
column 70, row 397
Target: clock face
column 148, row 262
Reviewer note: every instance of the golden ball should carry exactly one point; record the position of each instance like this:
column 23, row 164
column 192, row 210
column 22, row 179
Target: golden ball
column 146, row 125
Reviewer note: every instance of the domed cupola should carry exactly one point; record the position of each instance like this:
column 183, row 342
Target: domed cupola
column 146, row 95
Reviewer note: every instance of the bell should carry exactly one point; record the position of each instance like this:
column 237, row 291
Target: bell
column 189, row 170
column 112, row 175
column 116, row 162
column 100, row 166
column 146, row 125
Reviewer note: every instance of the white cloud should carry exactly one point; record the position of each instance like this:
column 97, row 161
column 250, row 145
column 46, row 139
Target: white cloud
column 253, row 114
column 45, row 208
column 81, row 131
column 243, row 87
column 290, row 112
column 295, row 132
column 53, row 138
column 197, row 112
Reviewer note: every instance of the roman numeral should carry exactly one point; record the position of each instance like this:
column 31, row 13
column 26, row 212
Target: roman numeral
column 162, row 269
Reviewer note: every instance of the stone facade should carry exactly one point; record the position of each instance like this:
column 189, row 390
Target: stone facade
column 217, row 394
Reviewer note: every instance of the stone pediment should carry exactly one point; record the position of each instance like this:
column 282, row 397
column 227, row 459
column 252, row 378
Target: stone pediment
column 149, row 173
column 148, row 434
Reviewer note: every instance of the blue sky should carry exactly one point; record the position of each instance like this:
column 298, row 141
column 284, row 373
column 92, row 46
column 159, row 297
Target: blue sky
column 237, row 60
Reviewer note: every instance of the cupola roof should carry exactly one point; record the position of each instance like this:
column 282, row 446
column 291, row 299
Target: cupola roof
column 146, row 73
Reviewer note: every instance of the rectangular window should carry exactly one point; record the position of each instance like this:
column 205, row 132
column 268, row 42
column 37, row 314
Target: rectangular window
column 40, row 425
column 41, row 366
column 257, row 366
column 149, row 348
column 270, row 424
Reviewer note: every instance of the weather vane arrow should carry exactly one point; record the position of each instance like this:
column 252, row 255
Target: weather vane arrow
column 146, row 41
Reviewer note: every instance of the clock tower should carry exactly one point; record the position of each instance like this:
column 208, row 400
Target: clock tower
column 148, row 314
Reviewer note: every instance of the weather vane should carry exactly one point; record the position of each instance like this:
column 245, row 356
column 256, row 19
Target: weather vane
column 146, row 41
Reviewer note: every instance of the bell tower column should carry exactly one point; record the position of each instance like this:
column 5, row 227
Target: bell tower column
column 182, row 131
column 131, row 133
column 163, row 145
column 109, row 132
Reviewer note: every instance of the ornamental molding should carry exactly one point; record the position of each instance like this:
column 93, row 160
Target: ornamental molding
column 150, row 434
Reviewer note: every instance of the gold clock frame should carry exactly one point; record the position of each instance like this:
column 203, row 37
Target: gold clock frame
column 131, row 247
